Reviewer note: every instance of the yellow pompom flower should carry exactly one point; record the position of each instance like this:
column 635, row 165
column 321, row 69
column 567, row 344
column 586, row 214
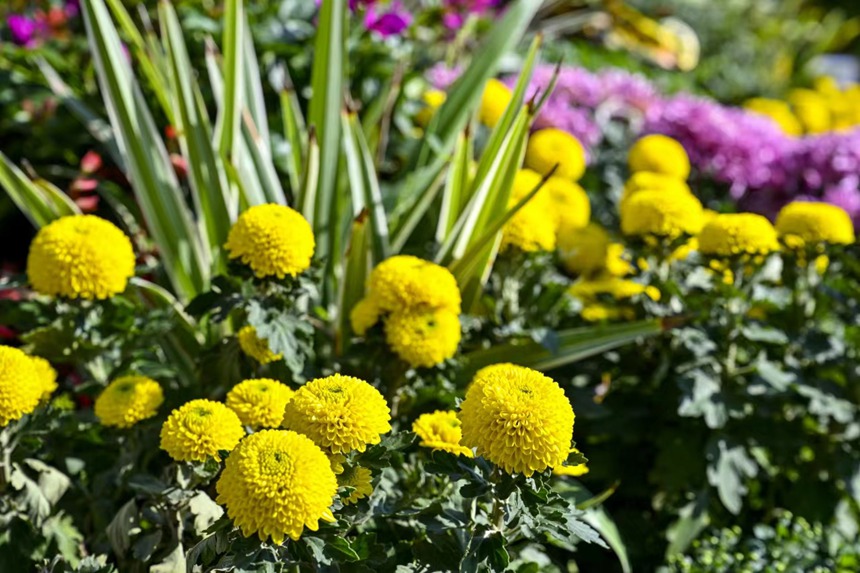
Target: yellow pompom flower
column 274, row 240
column 364, row 315
column 21, row 385
column 801, row 223
column 569, row 203
column 423, row 338
column 359, row 479
column 646, row 180
column 660, row 214
column 550, row 147
column 259, row 402
column 659, row 154
column 572, row 471
column 433, row 100
column 440, row 430
column 199, row 429
column 276, row 483
column 589, row 251
column 811, row 109
column 405, row 282
column 738, row 234
column 339, row 413
column 776, row 110
column 518, row 419
column 80, row 256
column 256, row 347
column 128, row 400
column 494, row 101
column 533, row 227
column 47, row 376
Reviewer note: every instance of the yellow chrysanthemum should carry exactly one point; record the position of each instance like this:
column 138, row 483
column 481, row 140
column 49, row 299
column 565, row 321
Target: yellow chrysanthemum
column 778, row 111
column 433, row 100
column 589, row 251
column 47, row 376
column 128, row 400
column 661, row 214
column 440, row 430
column 568, row 203
column 274, row 240
column 80, row 256
column 738, row 234
column 659, row 154
column 364, row 315
column 336, row 462
column 619, row 289
column 259, row 402
column 199, row 429
column 646, row 180
column 550, row 147
column 802, row 223
column 359, row 479
column 423, row 338
column 405, row 282
column 533, row 227
column 811, row 109
column 494, row 101
column 339, row 413
column 276, row 483
column 256, row 347
column 573, row 471
column 21, row 385
column 518, row 419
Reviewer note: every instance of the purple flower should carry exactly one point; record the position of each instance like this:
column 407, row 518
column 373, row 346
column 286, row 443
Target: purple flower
column 390, row 22
column 457, row 11
column 22, row 29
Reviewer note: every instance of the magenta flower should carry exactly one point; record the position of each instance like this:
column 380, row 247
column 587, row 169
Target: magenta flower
column 389, row 22
column 23, row 30
column 457, row 11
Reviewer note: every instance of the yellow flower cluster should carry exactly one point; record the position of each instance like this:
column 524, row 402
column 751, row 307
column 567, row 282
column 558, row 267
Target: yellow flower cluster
column 517, row 418
column 530, row 228
column 495, row 99
column 199, row 430
column 359, row 481
column 592, row 292
column 259, row 402
column 339, row 413
column 419, row 303
column 22, row 384
column 825, row 107
column 256, row 347
column 128, row 400
column 274, row 240
column 808, row 223
column 80, row 256
column 432, row 100
column 47, row 376
column 553, row 148
column 738, row 235
column 276, row 483
column 440, row 430
column 590, row 252
column 659, row 154
column 661, row 214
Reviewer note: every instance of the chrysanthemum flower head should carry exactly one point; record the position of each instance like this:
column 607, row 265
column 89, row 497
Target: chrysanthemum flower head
column 199, row 429
column 533, row 227
column 256, row 347
column 276, row 483
column 569, row 203
column 589, row 251
column 550, row 147
column 406, row 282
column 661, row 214
column 339, row 413
column 811, row 109
column 659, row 154
column 518, row 419
column 80, row 256
column 47, row 376
column 433, row 100
column 128, row 400
column 494, row 101
column 738, row 234
column 21, row 385
column 359, row 479
column 364, row 315
column 274, row 240
column 778, row 111
column 259, row 402
column 440, row 430
column 647, row 180
column 810, row 223
column 423, row 338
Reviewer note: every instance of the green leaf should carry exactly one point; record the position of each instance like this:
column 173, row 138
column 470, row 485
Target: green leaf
column 230, row 112
column 605, row 526
column 28, row 197
column 454, row 196
column 295, row 134
column 119, row 529
column 573, row 345
column 729, row 466
column 693, row 520
column 356, row 270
